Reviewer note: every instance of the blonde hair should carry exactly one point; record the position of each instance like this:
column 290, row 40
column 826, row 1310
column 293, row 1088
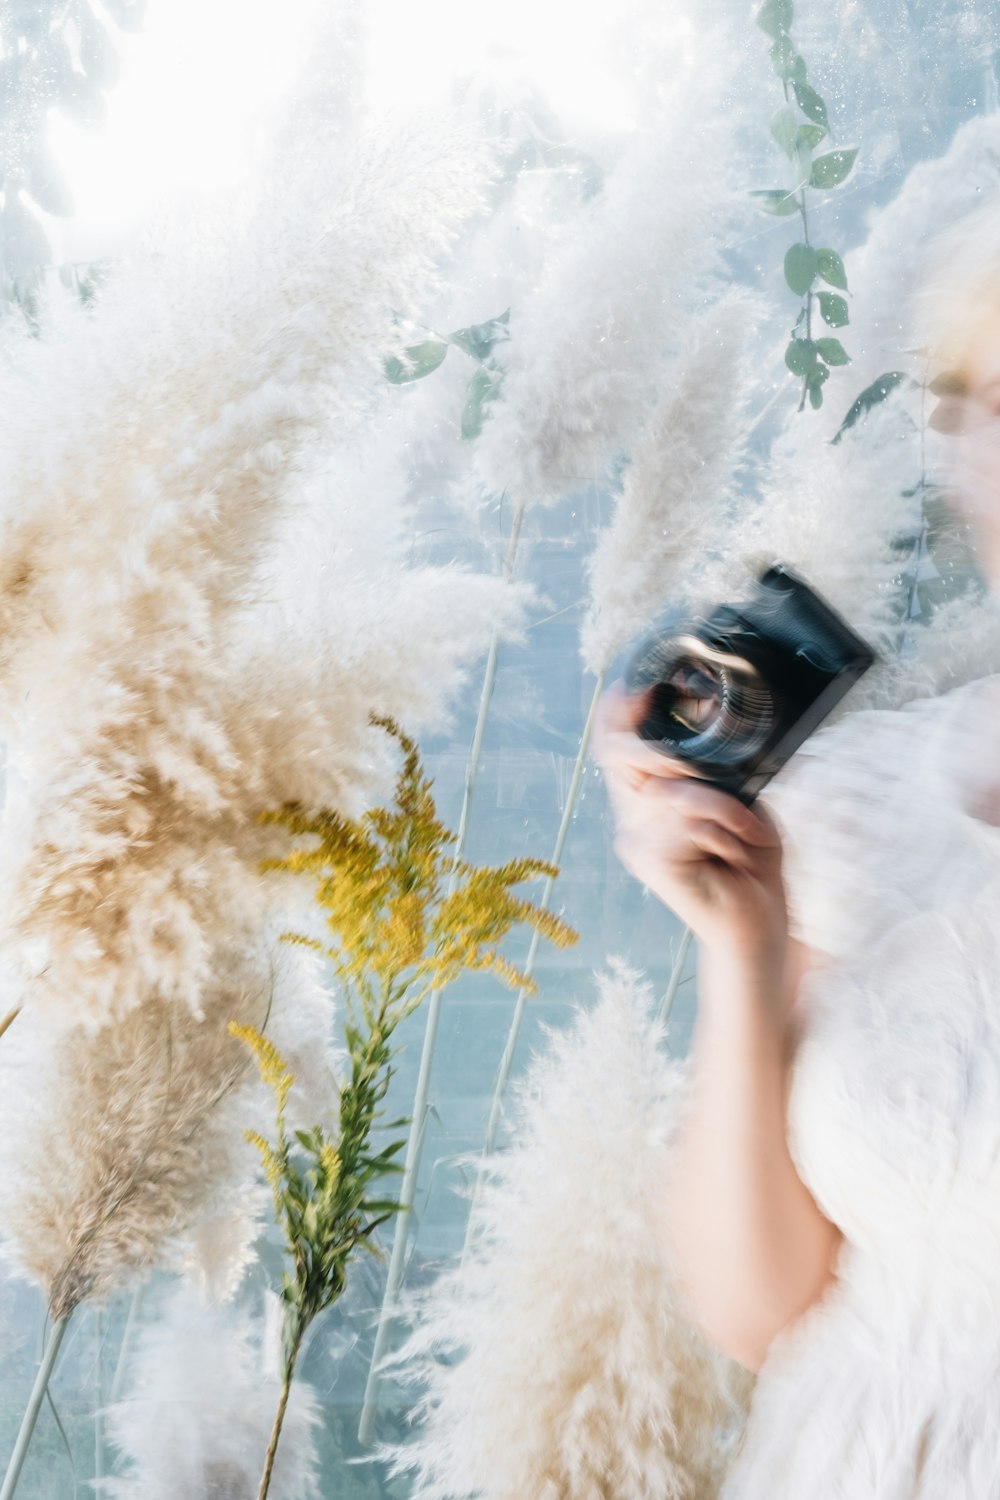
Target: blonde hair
column 957, row 304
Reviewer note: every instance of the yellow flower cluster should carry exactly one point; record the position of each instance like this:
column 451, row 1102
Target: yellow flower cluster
column 381, row 880
column 273, row 1068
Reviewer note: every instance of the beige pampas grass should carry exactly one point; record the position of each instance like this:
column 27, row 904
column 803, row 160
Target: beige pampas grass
column 678, row 488
column 127, row 1143
column 121, row 1138
column 132, row 528
column 557, row 1361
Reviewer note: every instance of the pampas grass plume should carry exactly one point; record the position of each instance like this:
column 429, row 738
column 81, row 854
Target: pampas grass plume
column 126, row 1143
column 587, row 342
column 678, row 486
column 557, row 1361
column 202, row 1398
column 133, row 533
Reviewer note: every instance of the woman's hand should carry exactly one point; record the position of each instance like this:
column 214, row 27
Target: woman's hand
column 711, row 859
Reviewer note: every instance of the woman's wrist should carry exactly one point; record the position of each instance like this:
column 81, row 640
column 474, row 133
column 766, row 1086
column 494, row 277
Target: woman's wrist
column 743, row 973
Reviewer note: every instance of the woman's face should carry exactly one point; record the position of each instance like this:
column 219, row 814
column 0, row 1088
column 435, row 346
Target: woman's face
column 971, row 418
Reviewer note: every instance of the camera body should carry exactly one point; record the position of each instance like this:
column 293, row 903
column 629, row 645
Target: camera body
column 736, row 694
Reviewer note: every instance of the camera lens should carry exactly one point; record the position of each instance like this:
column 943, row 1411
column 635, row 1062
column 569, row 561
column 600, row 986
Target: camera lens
column 708, row 707
column 692, row 695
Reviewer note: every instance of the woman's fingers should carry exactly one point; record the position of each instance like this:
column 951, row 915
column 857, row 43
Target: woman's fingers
column 619, row 709
column 615, row 744
column 685, row 798
column 706, row 837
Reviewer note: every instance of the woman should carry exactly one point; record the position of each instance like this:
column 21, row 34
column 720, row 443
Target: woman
column 832, row 1204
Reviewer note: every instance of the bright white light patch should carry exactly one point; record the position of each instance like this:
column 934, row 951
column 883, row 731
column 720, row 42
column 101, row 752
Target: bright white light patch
column 417, row 51
column 198, row 83
column 195, row 85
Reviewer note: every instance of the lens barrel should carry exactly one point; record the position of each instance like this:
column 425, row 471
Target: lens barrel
column 708, row 706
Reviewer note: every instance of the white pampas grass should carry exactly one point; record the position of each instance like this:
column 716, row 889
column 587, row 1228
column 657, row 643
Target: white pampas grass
column 197, row 1420
column 132, row 529
column 587, row 341
column 569, row 1368
column 834, row 514
column 216, row 1246
column 678, row 487
column 833, row 510
column 345, row 625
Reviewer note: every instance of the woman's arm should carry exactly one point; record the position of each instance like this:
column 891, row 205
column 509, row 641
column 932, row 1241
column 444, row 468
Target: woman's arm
column 747, row 1239
column 750, row 1246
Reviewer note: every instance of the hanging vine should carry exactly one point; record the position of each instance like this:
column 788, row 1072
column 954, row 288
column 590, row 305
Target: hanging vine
column 799, row 127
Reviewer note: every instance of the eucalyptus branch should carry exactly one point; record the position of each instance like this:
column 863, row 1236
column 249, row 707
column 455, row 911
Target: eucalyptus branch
column 798, row 129
column 479, row 342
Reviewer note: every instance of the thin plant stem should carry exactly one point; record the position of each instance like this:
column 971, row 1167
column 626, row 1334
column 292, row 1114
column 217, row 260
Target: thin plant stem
column 99, row 1408
column 124, row 1348
column 663, row 1014
column 35, row 1400
column 9, row 1019
column 809, row 295
column 279, row 1419
column 418, row 1117
column 514, row 1030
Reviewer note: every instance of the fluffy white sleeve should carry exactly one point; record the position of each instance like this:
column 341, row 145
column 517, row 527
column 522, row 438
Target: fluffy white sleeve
column 843, row 803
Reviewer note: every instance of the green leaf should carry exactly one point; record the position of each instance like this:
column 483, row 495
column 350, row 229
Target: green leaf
column 872, row 395
column 808, row 137
column 418, row 361
column 831, row 268
column 810, row 103
column 833, row 351
column 800, row 268
column 815, row 394
column 801, row 357
column 776, row 201
column 785, row 129
column 387, row 1154
column 830, row 170
column 482, row 388
column 481, row 337
column 785, row 60
column 834, row 309
column 775, row 17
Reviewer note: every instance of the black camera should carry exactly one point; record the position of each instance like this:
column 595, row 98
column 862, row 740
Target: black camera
column 734, row 695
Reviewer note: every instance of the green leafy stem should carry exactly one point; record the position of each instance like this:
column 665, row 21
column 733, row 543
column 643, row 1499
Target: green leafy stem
column 406, row 917
column 798, row 128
